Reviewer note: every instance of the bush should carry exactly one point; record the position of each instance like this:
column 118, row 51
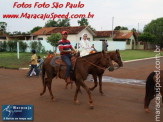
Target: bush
column 4, row 46
column 39, row 47
column 33, row 45
column 12, row 45
column 23, row 46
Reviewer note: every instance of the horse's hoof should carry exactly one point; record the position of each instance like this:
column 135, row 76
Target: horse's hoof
column 147, row 110
column 53, row 99
column 91, row 106
column 76, row 102
column 41, row 94
column 102, row 94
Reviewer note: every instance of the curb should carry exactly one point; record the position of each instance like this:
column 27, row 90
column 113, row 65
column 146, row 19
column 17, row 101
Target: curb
column 141, row 59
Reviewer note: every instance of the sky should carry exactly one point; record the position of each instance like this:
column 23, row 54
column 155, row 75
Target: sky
column 128, row 13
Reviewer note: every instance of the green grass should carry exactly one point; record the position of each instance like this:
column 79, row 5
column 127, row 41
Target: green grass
column 9, row 60
column 137, row 54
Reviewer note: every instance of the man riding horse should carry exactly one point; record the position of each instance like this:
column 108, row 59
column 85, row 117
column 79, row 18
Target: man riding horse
column 66, row 50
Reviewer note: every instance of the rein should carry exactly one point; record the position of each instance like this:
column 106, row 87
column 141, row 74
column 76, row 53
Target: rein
column 94, row 64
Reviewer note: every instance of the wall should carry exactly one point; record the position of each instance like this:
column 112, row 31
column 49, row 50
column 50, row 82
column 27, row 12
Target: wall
column 113, row 45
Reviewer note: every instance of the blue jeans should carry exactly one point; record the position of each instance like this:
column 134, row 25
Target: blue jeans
column 35, row 69
column 67, row 60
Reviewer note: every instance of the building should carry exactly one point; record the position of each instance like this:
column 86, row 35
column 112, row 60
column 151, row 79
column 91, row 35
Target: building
column 74, row 32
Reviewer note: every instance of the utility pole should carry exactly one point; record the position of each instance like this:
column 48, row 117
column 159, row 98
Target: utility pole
column 112, row 26
column 138, row 27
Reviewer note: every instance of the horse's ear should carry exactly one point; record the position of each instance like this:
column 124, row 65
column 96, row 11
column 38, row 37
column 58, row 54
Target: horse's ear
column 117, row 50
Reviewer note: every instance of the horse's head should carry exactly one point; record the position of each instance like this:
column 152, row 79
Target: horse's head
column 106, row 61
column 115, row 56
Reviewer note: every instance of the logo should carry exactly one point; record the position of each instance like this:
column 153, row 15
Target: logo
column 17, row 112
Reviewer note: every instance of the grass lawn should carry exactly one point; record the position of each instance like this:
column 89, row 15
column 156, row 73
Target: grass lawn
column 137, row 54
column 9, row 60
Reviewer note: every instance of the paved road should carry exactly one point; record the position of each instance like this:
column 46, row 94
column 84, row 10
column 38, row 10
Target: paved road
column 120, row 103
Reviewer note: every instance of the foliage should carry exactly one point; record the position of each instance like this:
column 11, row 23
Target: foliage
column 12, row 45
column 35, row 29
column 58, row 23
column 53, row 39
column 39, row 47
column 33, row 45
column 147, row 37
column 120, row 28
column 3, row 26
column 155, row 27
column 23, row 46
column 83, row 22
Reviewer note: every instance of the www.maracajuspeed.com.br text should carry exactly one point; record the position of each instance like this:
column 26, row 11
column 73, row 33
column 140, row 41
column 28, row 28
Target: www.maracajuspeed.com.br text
column 46, row 16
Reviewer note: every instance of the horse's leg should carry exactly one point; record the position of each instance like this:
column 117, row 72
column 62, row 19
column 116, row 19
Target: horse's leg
column 100, row 84
column 49, row 87
column 44, row 87
column 95, row 82
column 89, row 93
column 147, row 102
column 76, row 93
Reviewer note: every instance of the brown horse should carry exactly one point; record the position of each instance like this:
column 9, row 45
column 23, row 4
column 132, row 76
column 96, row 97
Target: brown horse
column 154, row 86
column 115, row 56
column 83, row 66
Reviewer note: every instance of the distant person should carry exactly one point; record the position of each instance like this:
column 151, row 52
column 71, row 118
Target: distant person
column 93, row 49
column 106, row 45
column 33, row 64
column 39, row 64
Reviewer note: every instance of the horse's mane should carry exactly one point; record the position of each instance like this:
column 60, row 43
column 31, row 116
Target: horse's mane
column 90, row 55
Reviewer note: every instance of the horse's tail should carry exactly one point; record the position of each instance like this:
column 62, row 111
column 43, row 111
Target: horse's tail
column 150, row 89
column 43, row 75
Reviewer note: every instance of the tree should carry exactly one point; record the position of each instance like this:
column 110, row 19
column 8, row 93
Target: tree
column 120, row 28
column 39, row 47
column 155, row 27
column 3, row 26
column 134, row 30
column 4, row 46
column 58, row 23
column 147, row 37
column 16, row 33
column 117, row 28
column 53, row 39
column 12, row 45
column 35, row 29
column 33, row 45
column 124, row 28
column 63, row 22
column 83, row 22
column 23, row 46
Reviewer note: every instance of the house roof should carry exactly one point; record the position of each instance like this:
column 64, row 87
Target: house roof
column 104, row 33
column 43, row 31
column 70, row 30
column 122, row 35
column 2, row 34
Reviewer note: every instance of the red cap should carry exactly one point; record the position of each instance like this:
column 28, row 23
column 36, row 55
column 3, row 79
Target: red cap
column 64, row 32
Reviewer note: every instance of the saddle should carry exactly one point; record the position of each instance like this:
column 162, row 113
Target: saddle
column 60, row 65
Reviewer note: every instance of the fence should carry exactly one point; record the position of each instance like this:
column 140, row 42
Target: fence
column 113, row 45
